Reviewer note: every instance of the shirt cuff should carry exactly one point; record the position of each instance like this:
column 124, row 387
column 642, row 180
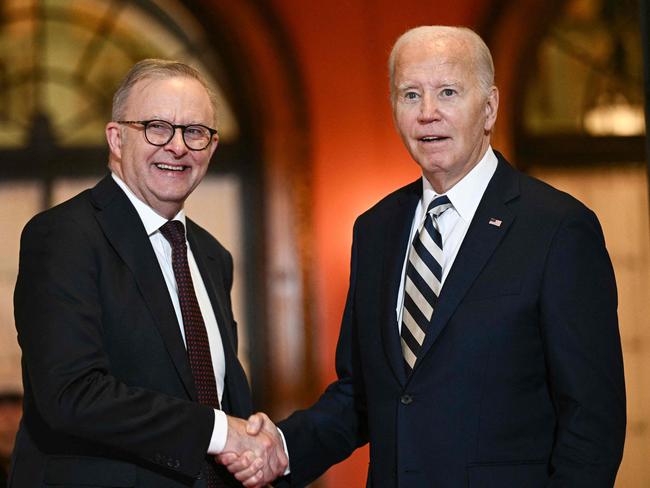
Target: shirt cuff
column 286, row 451
column 219, row 433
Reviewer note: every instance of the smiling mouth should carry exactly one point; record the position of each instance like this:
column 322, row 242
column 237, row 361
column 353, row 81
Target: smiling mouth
column 169, row 167
column 432, row 138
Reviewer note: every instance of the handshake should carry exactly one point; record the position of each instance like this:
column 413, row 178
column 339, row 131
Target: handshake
column 254, row 451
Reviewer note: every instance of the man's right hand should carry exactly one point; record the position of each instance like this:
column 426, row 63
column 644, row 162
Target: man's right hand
column 254, row 451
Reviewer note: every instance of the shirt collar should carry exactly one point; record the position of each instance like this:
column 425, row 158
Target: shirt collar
column 151, row 220
column 467, row 193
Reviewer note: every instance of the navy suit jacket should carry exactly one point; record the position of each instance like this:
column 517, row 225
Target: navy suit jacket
column 109, row 395
column 519, row 382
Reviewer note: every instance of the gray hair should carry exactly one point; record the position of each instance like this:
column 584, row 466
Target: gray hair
column 480, row 53
column 157, row 69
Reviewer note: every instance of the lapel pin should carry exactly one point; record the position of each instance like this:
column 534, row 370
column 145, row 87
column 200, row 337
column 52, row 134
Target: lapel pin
column 495, row 222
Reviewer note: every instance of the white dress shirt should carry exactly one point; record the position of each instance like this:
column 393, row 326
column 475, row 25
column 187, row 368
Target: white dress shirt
column 454, row 222
column 152, row 222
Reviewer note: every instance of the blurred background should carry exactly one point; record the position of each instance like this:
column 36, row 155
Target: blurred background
column 307, row 143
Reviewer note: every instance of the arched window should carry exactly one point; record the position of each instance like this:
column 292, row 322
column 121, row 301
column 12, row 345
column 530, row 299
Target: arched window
column 60, row 63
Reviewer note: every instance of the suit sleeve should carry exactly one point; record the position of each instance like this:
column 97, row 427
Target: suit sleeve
column 580, row 330
column 331, row 429
column 58, row 313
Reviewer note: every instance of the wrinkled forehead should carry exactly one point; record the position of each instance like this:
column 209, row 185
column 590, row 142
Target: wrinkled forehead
column 160, row 93
column 451, row 55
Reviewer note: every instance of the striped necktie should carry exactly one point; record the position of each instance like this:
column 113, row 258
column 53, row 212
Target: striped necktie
column 422, row 282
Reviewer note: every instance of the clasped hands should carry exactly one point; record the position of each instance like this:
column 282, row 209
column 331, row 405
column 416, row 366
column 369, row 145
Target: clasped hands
column 254, row 451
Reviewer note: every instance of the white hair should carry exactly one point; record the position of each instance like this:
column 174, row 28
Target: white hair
column 479, row 52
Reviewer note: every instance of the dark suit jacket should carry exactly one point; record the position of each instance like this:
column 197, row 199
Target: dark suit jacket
column 520, row 379
column 109, row 396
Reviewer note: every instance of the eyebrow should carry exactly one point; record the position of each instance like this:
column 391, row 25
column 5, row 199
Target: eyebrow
column 443, row 84
column 165, row 119
column 406, row 86
column 450, row 83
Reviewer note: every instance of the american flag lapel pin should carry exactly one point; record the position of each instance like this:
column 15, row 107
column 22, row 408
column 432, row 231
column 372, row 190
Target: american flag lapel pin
column 495, row 222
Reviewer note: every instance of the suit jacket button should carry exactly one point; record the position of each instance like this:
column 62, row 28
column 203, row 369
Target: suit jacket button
column 406, row 399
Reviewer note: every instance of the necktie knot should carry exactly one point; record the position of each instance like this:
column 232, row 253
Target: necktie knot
column 438, row 205
column 174, row 232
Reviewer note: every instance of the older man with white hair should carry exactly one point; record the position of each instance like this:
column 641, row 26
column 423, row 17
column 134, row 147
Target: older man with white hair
column 479, row 345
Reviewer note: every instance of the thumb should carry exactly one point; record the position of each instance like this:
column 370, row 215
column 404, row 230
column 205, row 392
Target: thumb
column 226, row 458
column 254, row 424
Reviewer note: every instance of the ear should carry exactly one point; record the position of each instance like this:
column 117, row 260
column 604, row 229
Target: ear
column 114, row 139
column 491, row 109
column 393, row 110
column 213, row 146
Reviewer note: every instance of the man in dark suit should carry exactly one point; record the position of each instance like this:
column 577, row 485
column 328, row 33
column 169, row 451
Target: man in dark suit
column 123, row 312
column 479, row 344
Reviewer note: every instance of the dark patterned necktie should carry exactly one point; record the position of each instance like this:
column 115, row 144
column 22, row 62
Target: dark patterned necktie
column 422, row 282
column 196, row 336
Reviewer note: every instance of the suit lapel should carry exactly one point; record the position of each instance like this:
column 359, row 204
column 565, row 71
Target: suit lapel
column 125, row 232
column 210, row 266
column 481, row 240
column 206, row 261
column 398, row 223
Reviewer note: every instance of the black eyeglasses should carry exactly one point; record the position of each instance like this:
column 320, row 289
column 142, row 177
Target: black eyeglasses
column 197, row 137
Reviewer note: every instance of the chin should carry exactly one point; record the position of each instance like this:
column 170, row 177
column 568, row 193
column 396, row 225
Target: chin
column 434, row 167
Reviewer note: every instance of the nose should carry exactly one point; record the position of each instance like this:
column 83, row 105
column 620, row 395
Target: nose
column 428, row 109
column 176, row 144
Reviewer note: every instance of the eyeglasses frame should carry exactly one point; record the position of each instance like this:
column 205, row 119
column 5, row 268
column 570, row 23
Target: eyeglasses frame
column 145, row 123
